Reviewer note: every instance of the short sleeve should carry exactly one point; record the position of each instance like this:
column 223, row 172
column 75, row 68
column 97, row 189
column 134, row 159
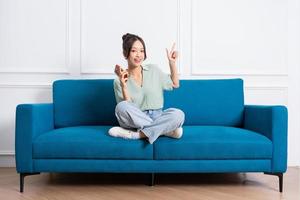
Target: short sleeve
column 166, row 81
column 118, row 91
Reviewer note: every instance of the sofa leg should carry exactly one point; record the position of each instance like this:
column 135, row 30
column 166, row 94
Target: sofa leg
column 152, row 179
column 280, row 177
column 22, row 176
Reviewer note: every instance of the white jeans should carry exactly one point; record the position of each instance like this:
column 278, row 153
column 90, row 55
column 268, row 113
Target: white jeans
column 152, row 123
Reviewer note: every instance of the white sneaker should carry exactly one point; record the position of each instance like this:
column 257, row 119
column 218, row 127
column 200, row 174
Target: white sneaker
column 118, row 131
column 176, row 133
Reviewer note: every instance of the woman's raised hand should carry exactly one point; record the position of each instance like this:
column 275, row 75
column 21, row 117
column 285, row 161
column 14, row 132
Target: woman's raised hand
column 172, row 54
column 122, row 74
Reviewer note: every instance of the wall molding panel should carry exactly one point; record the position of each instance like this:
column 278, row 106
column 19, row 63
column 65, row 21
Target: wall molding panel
column 7, row 153
column 90, row 63
column 219, row 32
column 29, row 44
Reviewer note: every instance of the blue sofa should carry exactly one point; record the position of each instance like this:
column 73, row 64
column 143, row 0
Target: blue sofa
column 221, row 134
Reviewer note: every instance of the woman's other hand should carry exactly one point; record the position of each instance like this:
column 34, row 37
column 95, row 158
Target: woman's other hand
column 172, row 57
column 172, row 54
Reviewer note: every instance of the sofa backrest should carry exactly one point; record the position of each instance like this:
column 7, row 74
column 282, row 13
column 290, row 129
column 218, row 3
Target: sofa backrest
column 84, row 102
column 204, row 102
column 209, row 102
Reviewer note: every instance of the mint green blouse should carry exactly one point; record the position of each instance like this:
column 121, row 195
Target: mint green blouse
column 150, row 94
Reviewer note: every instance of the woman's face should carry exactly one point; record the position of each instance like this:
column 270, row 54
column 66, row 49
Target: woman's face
column 136, row 54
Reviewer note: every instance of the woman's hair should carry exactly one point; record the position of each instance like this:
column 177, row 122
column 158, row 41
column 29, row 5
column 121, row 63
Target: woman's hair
column 128, row 40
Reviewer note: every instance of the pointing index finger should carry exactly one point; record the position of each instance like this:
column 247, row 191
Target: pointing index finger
column 173, row 47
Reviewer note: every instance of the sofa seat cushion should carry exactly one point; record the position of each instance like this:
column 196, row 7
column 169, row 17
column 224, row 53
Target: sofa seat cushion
column 214, row 142
column 88, row 142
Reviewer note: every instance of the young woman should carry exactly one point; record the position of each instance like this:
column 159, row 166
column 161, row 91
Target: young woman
column 139, row 94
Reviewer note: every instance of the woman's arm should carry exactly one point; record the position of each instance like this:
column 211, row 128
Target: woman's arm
column 172, row 57
column 125, row 93
column 174, row 75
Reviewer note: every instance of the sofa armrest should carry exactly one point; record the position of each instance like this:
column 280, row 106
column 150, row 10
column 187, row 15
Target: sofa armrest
column 31, row 121
column 270, row 121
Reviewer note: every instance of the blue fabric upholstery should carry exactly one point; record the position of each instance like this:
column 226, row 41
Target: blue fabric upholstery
column 209, row 102
column 93, row 142
column 76, row 102
column 150, row 166
column 31, row 121
column 270, row 121
column 214, row 142
column 83, row 102
column 221, row 134
column 88, row 142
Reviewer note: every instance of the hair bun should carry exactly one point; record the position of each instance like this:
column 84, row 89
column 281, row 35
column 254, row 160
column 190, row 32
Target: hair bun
column 124, row 37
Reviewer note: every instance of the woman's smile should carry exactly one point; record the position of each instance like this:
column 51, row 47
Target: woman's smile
column 137, row 60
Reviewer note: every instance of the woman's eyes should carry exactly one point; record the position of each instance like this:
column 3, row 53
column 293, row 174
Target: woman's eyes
column 133, row 51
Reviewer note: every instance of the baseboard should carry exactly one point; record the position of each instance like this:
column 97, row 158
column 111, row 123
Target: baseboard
column 7, row 161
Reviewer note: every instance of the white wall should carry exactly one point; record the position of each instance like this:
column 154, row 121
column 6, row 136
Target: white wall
column 45, row 40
